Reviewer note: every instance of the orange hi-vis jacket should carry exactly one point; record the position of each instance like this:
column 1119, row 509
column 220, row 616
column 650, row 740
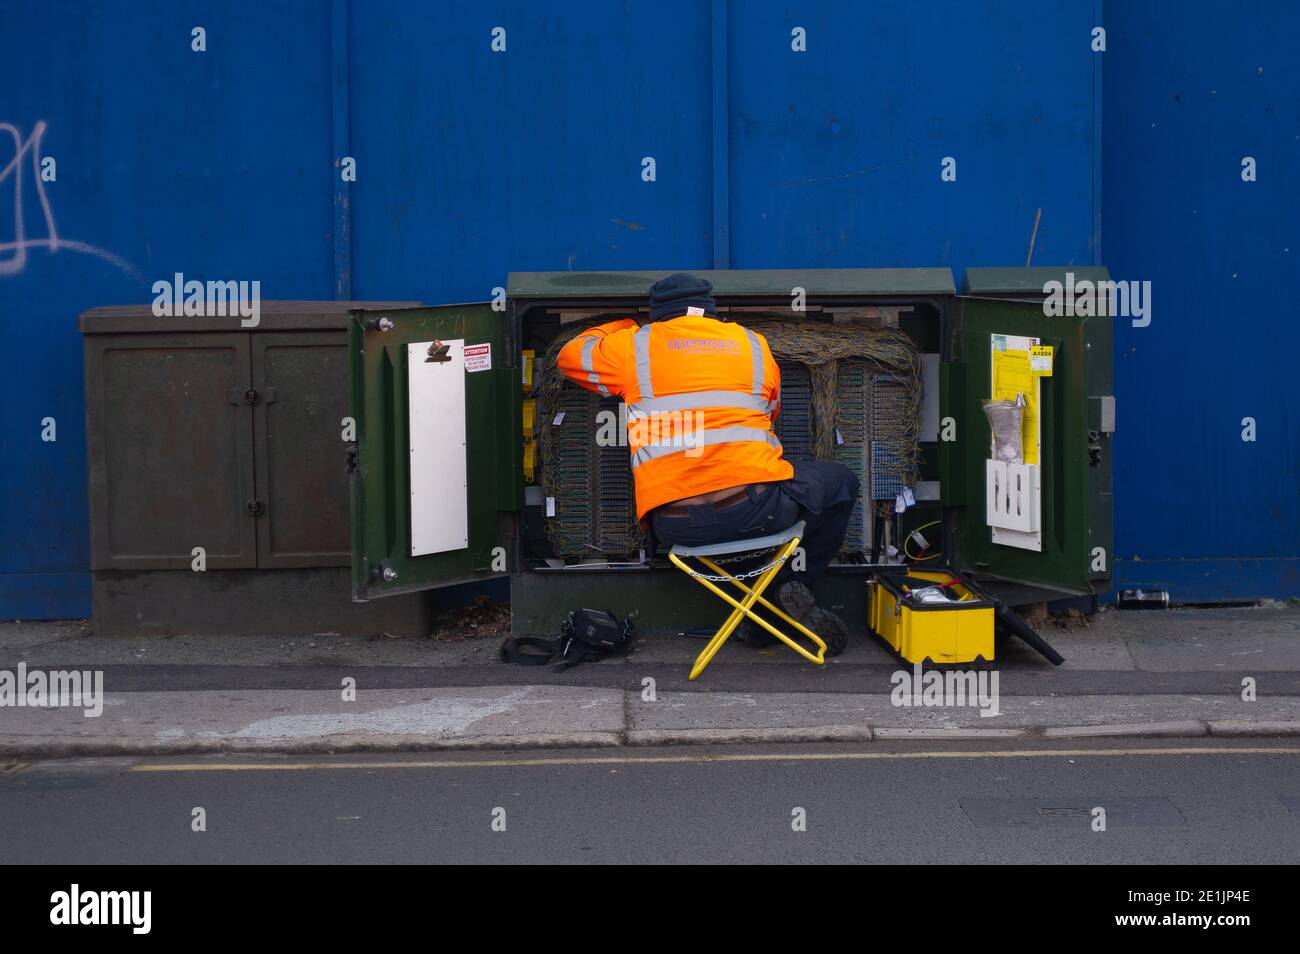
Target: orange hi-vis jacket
column 701, row 395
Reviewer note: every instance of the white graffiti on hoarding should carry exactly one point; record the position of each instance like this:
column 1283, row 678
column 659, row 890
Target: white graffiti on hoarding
column 13, row 254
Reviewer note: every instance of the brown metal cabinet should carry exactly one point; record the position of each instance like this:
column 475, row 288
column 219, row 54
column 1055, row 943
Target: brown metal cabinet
column 298, row 422
column 202, row 433
column 170, row 449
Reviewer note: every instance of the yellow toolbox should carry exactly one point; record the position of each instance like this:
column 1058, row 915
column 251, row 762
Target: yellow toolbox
column 932, row 614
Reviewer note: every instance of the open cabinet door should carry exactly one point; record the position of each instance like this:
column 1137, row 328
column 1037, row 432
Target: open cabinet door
column 435, row 396
column 1045, row 520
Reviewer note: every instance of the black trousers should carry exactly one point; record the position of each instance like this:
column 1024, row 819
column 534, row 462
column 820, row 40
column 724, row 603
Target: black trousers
column 820, row 494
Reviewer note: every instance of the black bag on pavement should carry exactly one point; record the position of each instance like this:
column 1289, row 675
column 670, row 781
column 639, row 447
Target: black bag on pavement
column 586, row 636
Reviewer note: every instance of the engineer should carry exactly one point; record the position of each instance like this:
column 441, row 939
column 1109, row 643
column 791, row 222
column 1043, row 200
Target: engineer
column 701, row 395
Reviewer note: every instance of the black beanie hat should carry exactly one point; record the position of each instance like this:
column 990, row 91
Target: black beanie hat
column 670, row 297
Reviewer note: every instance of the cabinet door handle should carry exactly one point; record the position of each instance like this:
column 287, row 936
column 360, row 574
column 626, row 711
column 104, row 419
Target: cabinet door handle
column 251, row 396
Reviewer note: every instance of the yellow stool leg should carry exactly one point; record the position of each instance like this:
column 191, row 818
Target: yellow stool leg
column 721, row 636
column 745, row 608
column 724, row 631
column 820, row 656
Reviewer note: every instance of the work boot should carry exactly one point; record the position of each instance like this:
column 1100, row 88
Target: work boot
column 799, row 603
column 753, row 635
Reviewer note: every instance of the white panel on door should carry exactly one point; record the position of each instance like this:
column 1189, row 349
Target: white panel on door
column 439, row 481
column 1011, row 504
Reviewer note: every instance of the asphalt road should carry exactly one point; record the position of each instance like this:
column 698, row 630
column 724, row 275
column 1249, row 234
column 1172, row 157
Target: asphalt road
column 1170, row 801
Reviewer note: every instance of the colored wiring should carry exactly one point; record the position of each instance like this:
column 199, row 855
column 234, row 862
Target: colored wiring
column 565, row 472
column 915, row 558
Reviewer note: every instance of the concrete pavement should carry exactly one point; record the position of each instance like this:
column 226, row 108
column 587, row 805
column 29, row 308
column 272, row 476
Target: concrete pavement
column 315, row 721
column 1180, row 673
column 1262, row 638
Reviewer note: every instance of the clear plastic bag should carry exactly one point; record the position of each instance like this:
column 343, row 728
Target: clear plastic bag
column 932, row 594
column 1005, row 420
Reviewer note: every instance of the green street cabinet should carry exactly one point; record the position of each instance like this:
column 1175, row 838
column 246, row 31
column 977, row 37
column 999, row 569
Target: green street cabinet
column 472, row 460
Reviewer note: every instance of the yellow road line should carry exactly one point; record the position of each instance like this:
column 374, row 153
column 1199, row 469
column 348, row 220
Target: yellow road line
column 691, row 759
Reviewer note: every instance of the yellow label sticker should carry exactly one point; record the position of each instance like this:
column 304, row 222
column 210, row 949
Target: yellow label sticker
column 1011, row 376
column 1040, row 361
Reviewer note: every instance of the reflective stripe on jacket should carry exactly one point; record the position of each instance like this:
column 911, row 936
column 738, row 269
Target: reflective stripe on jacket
column 701, row 395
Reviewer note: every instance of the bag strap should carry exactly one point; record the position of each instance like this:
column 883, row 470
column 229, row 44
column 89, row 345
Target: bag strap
column 543, row 651
column 565, row 652
column 575, row 651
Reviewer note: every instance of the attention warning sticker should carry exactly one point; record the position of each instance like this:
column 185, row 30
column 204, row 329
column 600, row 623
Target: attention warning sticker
column 478, row 357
